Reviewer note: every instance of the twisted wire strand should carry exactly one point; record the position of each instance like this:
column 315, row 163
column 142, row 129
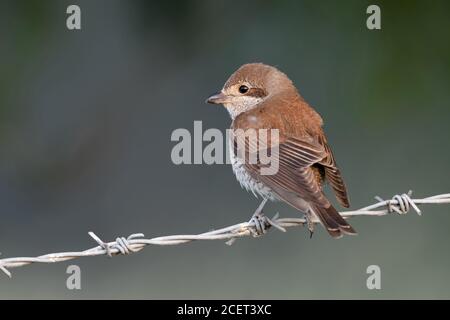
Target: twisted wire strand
column 257, row 226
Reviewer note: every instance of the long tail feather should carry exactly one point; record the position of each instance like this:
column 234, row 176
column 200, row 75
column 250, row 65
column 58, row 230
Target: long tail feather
column 335, row 224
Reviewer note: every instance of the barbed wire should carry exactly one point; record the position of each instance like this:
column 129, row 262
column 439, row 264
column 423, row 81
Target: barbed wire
column 258, row 225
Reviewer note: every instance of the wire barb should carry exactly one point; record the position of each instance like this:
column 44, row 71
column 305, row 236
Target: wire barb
column 258, row 225
column 124, row 246
column 4, row 270
column 401, row 203
column 102, row 244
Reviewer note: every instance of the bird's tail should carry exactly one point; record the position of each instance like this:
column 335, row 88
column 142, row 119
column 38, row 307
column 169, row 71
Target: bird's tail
column 335, row 224
column 328, row 216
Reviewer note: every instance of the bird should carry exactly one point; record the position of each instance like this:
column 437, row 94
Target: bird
column 259, row 96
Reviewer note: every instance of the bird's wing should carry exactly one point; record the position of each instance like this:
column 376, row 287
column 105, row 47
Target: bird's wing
column 295, row 173
column 333, row 174
column 296, row 179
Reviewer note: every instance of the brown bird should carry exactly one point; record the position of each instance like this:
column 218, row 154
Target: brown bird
column 259, row 96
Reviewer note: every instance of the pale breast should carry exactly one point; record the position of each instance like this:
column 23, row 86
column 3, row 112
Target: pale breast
column 246, row 180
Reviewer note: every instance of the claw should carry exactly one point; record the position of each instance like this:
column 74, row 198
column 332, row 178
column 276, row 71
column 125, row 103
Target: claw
column 309, row 223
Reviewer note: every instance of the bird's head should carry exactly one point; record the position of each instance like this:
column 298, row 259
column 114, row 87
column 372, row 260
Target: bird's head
column 249, row 86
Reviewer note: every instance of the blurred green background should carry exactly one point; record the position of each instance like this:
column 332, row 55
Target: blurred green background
column 85, row 124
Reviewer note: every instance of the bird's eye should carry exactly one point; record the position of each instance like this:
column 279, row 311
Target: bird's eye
column 243, row 89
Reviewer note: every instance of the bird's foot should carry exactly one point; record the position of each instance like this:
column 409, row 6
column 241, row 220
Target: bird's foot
column 259, row 221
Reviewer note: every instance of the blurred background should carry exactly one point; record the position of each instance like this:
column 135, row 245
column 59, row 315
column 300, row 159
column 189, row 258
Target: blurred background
column 85, row 124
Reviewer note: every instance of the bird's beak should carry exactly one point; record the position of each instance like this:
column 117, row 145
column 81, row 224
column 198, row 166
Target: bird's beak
column 217, row 98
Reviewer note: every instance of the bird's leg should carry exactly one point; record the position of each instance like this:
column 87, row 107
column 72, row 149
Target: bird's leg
column 309, row 222
column 260, row 208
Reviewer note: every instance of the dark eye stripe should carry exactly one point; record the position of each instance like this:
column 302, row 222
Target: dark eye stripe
column 256, row 92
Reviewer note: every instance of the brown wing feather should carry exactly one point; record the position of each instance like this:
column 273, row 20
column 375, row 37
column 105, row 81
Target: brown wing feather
column 333, row 174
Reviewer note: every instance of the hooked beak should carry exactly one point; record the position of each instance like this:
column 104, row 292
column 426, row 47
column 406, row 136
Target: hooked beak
column 217, row 98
